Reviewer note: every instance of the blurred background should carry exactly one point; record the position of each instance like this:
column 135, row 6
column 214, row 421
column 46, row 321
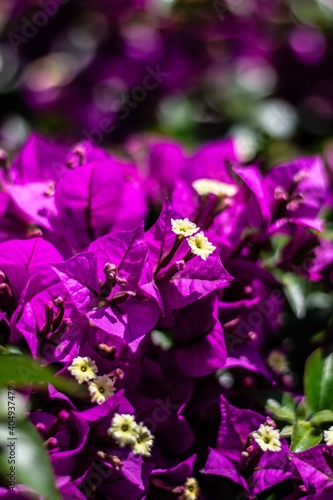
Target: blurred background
column 196, row 70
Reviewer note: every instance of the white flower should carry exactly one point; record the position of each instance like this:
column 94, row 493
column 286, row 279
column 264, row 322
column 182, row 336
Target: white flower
column 278, row 361
column 191, row 489
column 267, row 438
column 144, row 441
column 101, row 389
column 123, row 429
column 200, row 245
column 184, row 227
column 210, row 186
column 328, row 436
column 83, row 369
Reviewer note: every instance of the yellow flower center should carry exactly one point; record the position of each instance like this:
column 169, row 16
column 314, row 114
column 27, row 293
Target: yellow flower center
column 183, row 227
column 200, row 245
column 267, row 438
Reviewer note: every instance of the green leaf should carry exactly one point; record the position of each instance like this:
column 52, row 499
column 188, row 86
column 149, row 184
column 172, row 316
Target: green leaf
column 312, row 380
column 295, row 292
column 326, row 393
column 273, row 496
column 301, row 409
column 10, row 349
column 318, row 382
column 278, row 242
column 29, row 459
column 282, row 412
column 286, row 431
column 304, row 436
column 288, row 401
column 321, row 417
column 162, row 339
column 22, row 371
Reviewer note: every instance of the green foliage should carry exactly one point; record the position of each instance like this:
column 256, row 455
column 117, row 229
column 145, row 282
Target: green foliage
column 301, row 409
column 295, row 291
column 21, row 446
column 322, row 417
column 24, row 451
column 284, row 412
column 24, row 371
column 304, row 435
column 314, row 410
column 318, row 382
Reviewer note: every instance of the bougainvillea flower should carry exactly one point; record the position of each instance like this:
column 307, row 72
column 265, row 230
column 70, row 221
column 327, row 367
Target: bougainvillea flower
column 197, row 340
column 124, row 475
column 165, row 163
column 218, row 465
column 168, row 479
column 212, row 161
column 20, row 260
column 38, row 161
column 12, row 225
column 64, row 435
column 315, row 468
column 80, row 195
column 271, row 469
column 227, row 209
column 181, row 276
column 235, row 429
column 108, row 284
column 94, row 198
column 172, row 355
column 51, row 325
column 296, row 190
column 320, row 266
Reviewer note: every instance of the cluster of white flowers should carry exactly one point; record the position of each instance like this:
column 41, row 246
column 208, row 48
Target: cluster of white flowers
column 197, row 241
column 127, row 432
column 200, row 245
column 205, row 187
column 328, row 436
column 191, row 489
column 85, row 370
column 267, row 438
column 184, row 227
